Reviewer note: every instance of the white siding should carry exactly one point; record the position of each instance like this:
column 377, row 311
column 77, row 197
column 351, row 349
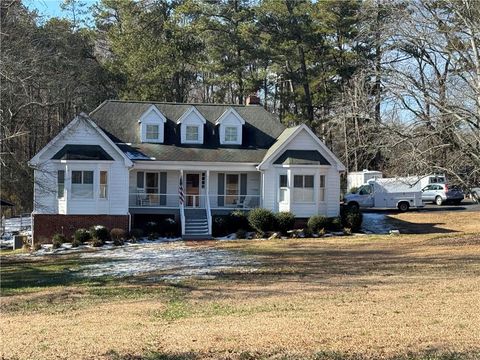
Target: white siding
column 46, row 178
column 330, row 207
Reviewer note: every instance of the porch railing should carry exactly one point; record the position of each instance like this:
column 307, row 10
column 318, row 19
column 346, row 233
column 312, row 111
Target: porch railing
column 161, row 200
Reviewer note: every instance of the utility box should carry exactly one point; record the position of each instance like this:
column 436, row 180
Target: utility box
column 358, row 178
column 18, row 241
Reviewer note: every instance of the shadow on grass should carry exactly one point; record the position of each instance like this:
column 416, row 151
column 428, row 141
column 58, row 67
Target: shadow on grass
column 407, row 227
column 322, row 355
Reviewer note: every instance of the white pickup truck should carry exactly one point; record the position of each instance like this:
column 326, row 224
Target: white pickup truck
column 385, row 194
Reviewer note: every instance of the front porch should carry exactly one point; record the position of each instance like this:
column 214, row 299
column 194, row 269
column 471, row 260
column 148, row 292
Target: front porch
column 193, row 195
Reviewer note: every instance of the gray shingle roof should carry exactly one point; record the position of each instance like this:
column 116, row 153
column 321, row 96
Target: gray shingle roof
column 119, row 120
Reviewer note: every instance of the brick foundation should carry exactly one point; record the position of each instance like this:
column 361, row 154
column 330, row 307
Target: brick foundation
column 46, row 225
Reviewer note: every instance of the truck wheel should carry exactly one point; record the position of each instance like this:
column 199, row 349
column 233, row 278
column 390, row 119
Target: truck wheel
column 439, row 200
column 353, row 206
column 403, row 206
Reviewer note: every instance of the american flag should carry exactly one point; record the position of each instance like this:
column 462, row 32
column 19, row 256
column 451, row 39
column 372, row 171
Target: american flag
column 181, row 195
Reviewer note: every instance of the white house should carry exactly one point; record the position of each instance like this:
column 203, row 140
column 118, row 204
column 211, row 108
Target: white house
column 130, row 161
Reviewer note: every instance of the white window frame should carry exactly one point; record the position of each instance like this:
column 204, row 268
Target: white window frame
column 283, row 189
column 303, row 192
column 147, row 133
column 187, row 127
column 321, row 189
column 103, row 188
column 58, row 184
column 227, row 140
column 75, row 196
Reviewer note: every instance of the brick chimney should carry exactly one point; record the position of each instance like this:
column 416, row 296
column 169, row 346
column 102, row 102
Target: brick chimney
column 252, row 100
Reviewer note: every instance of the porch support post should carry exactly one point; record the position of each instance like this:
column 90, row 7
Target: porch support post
column 207, row 202
column 182, row 210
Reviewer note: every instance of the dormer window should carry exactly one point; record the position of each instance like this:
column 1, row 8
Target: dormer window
column 192, row 124
column 191, row 133
column 152, row 124
column 231, row 134
column 230, row 125
column 153, row 132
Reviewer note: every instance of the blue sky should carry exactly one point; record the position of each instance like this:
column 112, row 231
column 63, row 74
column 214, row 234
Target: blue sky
column 50, row 8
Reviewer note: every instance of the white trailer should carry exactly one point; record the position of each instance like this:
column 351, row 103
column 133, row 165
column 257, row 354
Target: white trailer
column 387, row 193
column 358, row 178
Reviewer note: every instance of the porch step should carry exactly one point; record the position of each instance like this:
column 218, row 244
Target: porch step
column 196, row 224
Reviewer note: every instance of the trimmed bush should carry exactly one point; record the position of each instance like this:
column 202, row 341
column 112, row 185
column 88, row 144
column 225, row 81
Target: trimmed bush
column 100, row 232
column 58, row 240
column 285, row 221
column 82, row 235
column 262, row 220
column 351, row 219
column 318, row 222
column 117, row 234
column 96, row 242
column 168, row 227
column 220, row 225
column 151, row 227
column 335, row 224
column 136, row 234
column 241, row 234
column 238, row 220
column 76, row 243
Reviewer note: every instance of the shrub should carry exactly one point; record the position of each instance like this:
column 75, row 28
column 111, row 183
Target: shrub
column 220, row 225
column 82, row 235
column 347, row 231
column 117, row 234
column 58, row 240
column 97, row 242
column 351, row 219
column 151, row 227
column 168, row 227
column 285, row 221
column 335, row 224
column 262, row 220
column 238, row 220
column 100, row 232
column 136, row 234
column 241, row 234
column 318, row 222
column 321, row 232
column 37, row 246
column 76, row 243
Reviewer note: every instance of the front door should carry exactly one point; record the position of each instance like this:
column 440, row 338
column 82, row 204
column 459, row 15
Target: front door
column 192, row 190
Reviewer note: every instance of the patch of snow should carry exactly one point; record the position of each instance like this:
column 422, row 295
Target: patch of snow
column 175, row 261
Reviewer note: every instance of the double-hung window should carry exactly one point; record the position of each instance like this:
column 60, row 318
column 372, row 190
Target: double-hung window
column 82, row 184
column 322, row 188
column 103, row 185
column 60, row 184
column 191, row 133
column 231, row 134
column 303, row 190
column 283, row 188
column 153, row 132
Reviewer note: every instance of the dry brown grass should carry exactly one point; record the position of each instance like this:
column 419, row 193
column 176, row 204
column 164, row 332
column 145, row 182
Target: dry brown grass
column 378, row 296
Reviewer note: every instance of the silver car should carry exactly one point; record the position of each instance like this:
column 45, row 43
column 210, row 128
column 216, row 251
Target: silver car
column 442, row 193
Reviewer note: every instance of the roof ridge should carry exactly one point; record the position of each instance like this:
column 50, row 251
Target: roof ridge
column 172, row 103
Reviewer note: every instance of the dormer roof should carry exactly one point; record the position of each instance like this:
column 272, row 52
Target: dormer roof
column 227, row 112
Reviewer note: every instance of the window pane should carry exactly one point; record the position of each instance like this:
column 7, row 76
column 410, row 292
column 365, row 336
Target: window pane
column 231, row 189
column 60, row 183
column 152, row 132
column 298, row 181
column 140, row 180
column 283, row 181
column 308, row 194
column 103, row 184
column 322, row 181
column 283, row 194
column 152, row 183
column 231, row 133
column 191, row 133
column 76, row 177
column 88, row 177
column 309, row 181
